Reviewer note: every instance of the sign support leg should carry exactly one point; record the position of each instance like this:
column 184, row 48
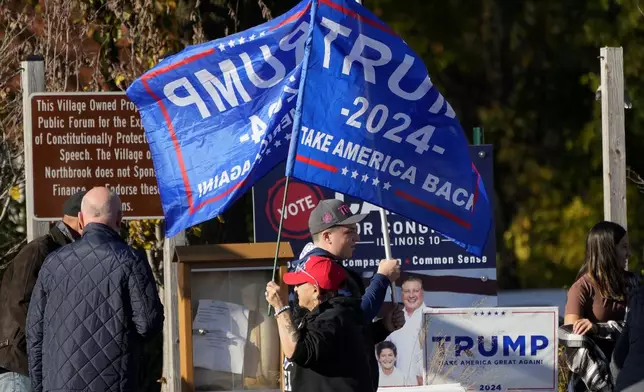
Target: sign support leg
column 171, row 370
column 32, row 81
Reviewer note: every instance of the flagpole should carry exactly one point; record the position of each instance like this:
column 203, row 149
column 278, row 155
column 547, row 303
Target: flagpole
column 295, row 134
column 385, row 236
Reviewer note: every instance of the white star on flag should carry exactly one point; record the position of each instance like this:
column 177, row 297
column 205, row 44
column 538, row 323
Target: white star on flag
column 222, row 47
column 277, row 143
column 375, row 181
column 354, row 174
column 268, row 151
column 263, row 33
column 231, row 43
column 387, row 186
column 365, row 178
column 288, row 136
column 344, row 171
column 241, row 40
column 252, row 37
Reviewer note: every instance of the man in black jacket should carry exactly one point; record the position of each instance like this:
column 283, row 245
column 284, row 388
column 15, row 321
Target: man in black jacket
column 15, row 293
column 93, row 306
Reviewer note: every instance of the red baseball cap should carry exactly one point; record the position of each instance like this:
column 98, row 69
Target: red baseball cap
column 318, row 270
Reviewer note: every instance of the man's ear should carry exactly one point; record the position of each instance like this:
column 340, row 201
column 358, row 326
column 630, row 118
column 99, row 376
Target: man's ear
column 81, row 222
column 326, row 236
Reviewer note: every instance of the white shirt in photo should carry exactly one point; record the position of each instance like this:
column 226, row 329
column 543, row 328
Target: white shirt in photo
column 409, row 359
column 395, row 379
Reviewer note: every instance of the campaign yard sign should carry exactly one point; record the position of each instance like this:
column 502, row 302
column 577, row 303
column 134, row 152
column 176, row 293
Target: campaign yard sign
column 492, row 349
column 417, row 246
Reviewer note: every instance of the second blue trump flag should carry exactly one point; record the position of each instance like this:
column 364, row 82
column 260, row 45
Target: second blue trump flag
column 369, row 122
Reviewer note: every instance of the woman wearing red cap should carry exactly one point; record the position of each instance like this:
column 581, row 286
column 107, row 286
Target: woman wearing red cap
column 327, row 350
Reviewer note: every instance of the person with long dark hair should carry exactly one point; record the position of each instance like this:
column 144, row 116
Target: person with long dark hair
column 601, row 290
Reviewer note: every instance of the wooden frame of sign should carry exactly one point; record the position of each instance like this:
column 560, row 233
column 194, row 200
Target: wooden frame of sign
column 223, row 264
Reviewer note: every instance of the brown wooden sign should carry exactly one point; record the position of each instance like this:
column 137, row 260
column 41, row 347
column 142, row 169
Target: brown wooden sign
column 83, row 140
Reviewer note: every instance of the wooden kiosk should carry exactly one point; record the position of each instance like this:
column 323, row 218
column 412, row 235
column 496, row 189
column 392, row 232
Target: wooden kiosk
column 227, row 341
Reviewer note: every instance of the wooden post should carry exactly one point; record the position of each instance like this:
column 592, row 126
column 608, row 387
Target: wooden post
column 32, row 81
column 613, row 135
column 171, row 370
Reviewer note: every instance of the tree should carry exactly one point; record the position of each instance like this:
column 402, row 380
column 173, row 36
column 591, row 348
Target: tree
column 527, row 72
column 103, row 45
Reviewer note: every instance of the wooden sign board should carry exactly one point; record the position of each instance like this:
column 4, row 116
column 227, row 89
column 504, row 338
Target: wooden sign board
column 83, row 140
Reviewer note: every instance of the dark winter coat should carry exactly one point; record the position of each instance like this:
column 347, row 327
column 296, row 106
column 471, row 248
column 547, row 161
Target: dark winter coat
column 628, row 355
column 94, row 304
column 15, row 293
column 330, row 354
column 371, row 300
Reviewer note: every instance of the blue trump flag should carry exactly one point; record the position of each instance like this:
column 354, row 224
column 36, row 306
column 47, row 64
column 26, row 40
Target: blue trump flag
column 371, row 124
column 218, row 116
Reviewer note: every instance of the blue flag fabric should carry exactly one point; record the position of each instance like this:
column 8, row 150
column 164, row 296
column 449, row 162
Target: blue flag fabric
column 373, row 126
column 218, row 116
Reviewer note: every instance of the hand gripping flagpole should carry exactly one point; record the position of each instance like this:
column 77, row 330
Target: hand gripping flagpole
column 295, row 134
column 385, row 236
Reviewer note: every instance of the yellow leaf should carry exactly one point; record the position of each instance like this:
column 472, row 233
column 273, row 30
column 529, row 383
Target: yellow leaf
column 15, row 192
column 119, row 79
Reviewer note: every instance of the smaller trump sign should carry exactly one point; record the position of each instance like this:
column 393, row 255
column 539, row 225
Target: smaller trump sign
column 492, row 349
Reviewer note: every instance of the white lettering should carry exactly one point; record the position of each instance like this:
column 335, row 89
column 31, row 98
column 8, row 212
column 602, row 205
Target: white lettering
column 298, row 44
column 432, row 260
column 399, row 73
column 269, row 59
column 231, row 82
column 433, row 184
column 368, row 64
column 332, row 35
column 192, row 97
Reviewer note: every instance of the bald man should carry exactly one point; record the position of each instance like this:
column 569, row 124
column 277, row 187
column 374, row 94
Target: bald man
column 94, row 304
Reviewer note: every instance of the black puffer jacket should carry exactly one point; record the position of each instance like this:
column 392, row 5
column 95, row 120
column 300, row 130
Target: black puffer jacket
column 94, row 303
column 330, row 354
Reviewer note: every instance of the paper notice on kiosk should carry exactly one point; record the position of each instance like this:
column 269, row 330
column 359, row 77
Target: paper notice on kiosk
column 222, row 316
column 219, row 350
column 225, row 328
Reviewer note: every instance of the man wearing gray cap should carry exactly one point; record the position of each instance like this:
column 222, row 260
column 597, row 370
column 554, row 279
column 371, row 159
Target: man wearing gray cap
column 15, row 293
column 334, row 233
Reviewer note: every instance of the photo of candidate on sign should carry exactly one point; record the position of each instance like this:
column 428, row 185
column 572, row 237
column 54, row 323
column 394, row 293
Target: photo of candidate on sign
column 491, row 349
column 406, row 340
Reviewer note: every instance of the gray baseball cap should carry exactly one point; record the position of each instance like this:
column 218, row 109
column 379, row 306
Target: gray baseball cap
column 332, row 212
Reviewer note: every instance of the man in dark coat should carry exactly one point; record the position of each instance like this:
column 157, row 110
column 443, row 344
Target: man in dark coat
column 94, row 304
column 15, row 293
